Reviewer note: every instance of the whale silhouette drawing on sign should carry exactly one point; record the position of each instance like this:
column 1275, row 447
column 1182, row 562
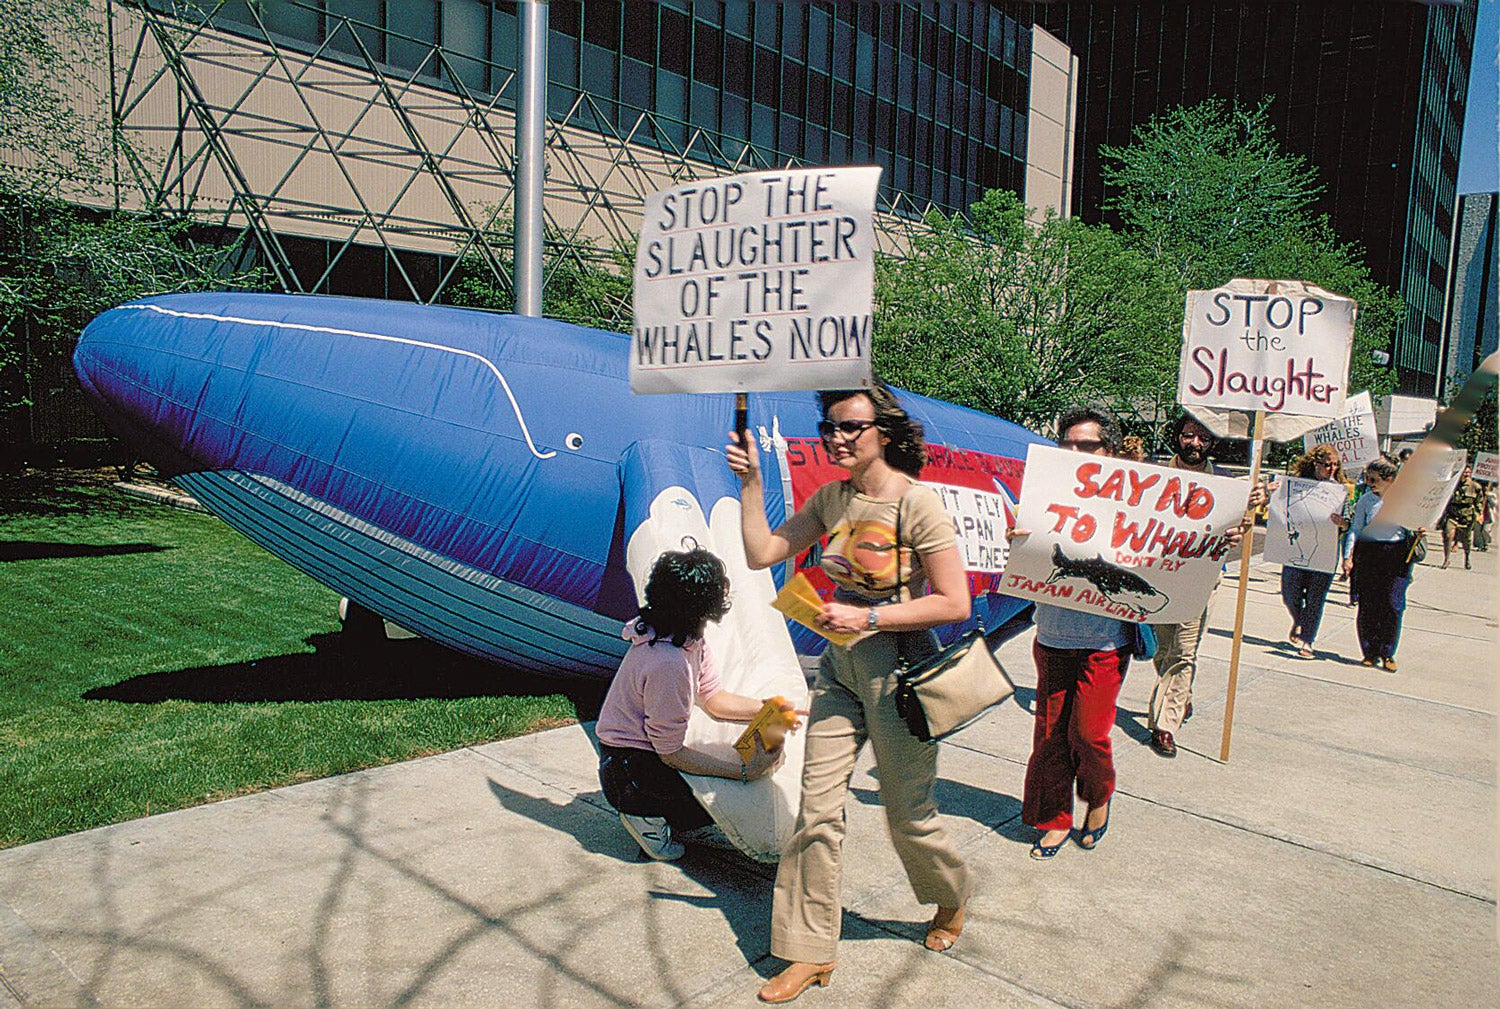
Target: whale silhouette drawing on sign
column 486, row 481
column 1116, row 584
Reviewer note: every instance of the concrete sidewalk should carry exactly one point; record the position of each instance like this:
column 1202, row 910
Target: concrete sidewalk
column 1344, row 857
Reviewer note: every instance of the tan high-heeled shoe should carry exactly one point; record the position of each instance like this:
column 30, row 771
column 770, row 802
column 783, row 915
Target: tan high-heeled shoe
column 795, row 980
column 947, row 925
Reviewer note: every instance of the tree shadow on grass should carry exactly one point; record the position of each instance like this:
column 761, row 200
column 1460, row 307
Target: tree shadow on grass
column 35, row 550
column 392, row 670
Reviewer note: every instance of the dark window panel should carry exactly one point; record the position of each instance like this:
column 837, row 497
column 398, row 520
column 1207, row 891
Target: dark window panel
column 640, row 33
column 676, row 36
column 793, row 91
column 885, row 125
column 843, row 107
column 566, row 18
column 767, row 76
column 864, row 116
column 601, row 24
column 737, row 66
column 817, row 99
column 763, row 127
column 843, row 51
column 906, row 123
column 707, row 68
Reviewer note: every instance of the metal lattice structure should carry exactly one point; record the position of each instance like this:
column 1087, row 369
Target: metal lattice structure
column 269, row 141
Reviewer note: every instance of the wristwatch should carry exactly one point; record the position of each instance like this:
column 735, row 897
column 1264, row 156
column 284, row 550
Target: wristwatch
column 872, row 619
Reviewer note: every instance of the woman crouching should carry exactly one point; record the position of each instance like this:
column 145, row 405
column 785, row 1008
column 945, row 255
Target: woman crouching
column 643, row 723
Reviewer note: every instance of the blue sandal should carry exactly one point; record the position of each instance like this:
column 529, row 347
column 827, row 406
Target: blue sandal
column 1097, row 834
column 1041, row 852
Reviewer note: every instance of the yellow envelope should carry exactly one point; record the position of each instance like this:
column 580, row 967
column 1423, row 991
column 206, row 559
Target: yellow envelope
column 801, row 602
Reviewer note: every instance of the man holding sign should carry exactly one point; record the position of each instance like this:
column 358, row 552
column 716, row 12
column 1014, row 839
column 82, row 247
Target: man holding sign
column 1114, row 543
column 1176, row 658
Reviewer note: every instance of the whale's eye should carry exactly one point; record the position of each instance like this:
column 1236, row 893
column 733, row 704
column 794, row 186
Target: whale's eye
column 574, row 441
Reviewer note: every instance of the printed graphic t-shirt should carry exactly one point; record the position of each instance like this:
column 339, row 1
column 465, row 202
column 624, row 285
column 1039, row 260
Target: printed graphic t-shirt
column 860, row 555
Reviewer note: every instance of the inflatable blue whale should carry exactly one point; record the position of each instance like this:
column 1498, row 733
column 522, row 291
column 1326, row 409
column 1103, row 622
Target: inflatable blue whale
column 473, row 477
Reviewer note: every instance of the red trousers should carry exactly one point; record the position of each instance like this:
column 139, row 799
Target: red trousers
column 1076, row 692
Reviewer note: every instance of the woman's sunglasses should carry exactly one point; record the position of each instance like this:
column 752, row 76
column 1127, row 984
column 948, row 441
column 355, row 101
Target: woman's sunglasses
column 848, row 428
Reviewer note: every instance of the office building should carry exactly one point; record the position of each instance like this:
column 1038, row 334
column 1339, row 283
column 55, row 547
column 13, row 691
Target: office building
column 1470, row 330
column 1371, row 94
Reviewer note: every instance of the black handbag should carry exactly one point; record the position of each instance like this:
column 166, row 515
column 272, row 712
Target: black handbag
column 945, row 689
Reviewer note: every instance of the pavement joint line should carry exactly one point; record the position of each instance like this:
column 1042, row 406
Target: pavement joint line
column 1315, row 848
column 1371, row 688
column 1371, row 755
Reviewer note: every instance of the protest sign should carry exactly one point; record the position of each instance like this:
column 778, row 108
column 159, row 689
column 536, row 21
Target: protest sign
column 756, row 282
column 1353, row 435
column 980, row 520
column 1281, row 347
column 1299, row 527
column 1118, row 538
column 1421, row 491
column 1487, row 467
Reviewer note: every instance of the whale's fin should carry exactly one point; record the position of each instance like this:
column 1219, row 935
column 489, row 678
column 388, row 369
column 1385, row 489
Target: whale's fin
column 666, row 486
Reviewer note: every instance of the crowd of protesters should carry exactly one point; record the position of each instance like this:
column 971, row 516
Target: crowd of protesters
column 890, row 606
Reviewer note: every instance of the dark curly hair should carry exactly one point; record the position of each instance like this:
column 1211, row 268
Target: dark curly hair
column 1109, row 428
column 907, row 448
column 686, row 590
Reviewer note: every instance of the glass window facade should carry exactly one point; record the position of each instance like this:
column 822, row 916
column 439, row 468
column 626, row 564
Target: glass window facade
column 934, row 93
column 1372, row 95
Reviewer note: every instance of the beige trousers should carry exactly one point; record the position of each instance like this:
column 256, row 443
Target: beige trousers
column 853, row 699
column 1176, row 664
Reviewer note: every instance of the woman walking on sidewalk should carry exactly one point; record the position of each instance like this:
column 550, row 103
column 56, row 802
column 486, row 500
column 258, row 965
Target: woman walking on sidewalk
column 1378, row 559
column 1304, row 591
column 889, row 540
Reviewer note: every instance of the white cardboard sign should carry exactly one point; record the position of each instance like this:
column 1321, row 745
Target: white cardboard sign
column 1299, row 526
column 1487, row 467
column 1123, row 539
column 1287, row 352
column 979, row 523
column 1420, row 494
column 1353, row 435
column 756, row 282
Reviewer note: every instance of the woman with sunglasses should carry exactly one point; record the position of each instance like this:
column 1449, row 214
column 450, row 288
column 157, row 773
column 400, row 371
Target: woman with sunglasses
column 1303, row 592
column 880, row 590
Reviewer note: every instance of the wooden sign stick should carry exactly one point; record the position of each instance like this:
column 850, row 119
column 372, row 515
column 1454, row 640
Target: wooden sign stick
column 1257, row 448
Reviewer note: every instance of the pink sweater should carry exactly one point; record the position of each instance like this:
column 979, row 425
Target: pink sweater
column 652, row 694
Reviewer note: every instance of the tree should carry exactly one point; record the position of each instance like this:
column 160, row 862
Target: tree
column 1209, row 194
column 581, row 283
column 60, row 265
column 1021, row 319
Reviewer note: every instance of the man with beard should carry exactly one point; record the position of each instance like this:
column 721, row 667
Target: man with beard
column 1177, row 644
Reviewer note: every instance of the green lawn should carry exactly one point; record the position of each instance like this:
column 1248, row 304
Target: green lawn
column 151, row 658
